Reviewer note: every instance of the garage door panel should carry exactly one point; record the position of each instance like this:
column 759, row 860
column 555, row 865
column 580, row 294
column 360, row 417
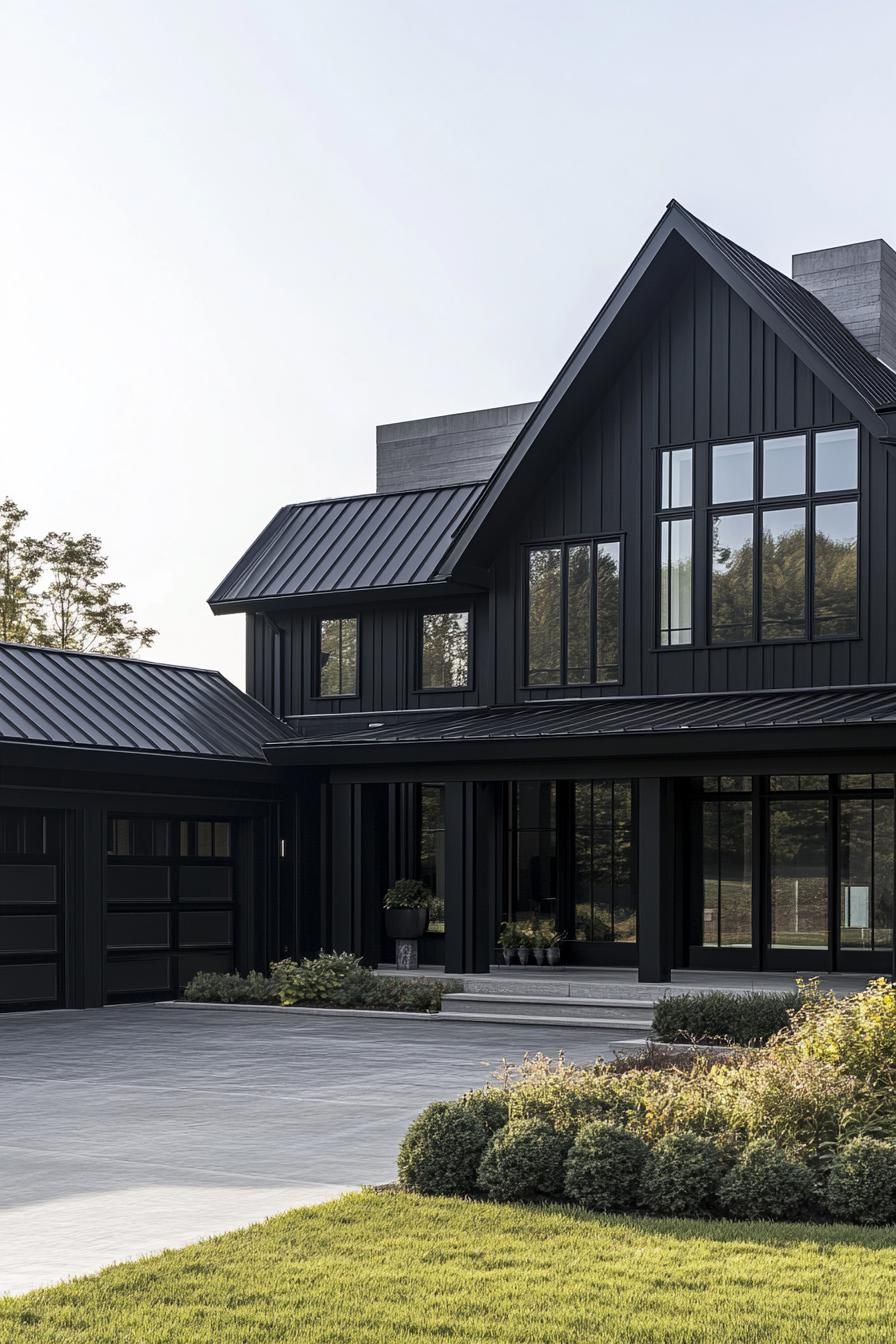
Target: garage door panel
column 32, row 982
column 138, row 975
column 28, row 884
column 204, row 928
column 138, row 929
column 134, row 883
column 27, row 933
column 198, row 884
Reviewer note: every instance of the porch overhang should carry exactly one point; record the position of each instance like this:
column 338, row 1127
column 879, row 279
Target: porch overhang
column 644, row 735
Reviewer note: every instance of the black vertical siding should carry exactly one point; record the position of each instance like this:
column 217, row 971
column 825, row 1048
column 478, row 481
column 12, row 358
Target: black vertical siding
column 706, row 367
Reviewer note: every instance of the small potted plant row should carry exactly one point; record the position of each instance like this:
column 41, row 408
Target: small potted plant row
column 537, row 940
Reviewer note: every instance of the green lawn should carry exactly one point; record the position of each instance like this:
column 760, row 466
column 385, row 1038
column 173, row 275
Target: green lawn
column 376, row 1269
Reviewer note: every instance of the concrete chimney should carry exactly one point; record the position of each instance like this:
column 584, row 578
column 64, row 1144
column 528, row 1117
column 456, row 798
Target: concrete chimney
column 858, row 283
column 446, row 449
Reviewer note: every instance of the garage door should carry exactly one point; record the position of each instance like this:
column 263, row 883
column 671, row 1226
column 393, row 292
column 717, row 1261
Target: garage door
column 170, row 896
column 31, row 882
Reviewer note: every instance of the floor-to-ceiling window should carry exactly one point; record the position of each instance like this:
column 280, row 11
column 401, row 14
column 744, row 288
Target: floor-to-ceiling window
column 793, row 870
column 431, row 850
column 605, row 906
column 533, row 842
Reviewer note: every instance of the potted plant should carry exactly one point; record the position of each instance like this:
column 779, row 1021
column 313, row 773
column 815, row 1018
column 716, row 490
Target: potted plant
column 407, row 909
column 552, row 947
column 522, row 947
column 538, row 941
column 509, row 938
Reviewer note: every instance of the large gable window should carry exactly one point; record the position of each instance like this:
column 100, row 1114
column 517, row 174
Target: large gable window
column 445, row 650
column 574, row 600
column 337, row 643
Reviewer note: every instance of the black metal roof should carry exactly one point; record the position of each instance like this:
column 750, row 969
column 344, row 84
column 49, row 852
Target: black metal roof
column 52, row 697
column 361, row 542
column 648, row 715
column 859, row 380
column 872, row 379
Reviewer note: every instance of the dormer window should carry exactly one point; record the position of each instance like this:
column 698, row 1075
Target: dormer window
column 573, row 607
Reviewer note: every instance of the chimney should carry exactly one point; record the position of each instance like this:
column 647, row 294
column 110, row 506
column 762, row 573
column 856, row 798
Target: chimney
column 858, row 283
column 446, row 449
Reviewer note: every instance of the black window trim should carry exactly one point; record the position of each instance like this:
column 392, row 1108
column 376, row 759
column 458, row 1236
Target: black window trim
column 317, row 693
column 564, row 543
column 446, row 608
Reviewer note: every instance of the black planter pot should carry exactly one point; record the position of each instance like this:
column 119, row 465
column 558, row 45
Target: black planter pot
column 408, row 923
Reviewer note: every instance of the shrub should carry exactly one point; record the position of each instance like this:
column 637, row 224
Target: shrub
column 719, row 1018
column 489, row 1105
column 524, row 1161
column 604, row 1167
column 682, row 1176
column 215, row 987
column 563, row 1095
column 407, row 894
column 417, row 995
column 856, row 1035
column 766, row 1184
column 335, row 979
column 441, row 1152
column 862, row 1182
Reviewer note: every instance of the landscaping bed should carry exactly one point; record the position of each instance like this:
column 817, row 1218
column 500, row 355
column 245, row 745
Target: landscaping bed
column 388, row 1269
column 723, row 1018
column 331, row 980
column 804, row 1128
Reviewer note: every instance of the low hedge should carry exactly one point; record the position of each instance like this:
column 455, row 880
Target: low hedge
column 719, row 1018
column 331, row 980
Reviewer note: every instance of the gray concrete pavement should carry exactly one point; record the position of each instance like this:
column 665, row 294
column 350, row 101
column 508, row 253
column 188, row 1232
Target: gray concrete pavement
column 128, row 1130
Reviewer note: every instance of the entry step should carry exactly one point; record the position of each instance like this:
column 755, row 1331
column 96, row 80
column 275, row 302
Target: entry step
column 631, row 1014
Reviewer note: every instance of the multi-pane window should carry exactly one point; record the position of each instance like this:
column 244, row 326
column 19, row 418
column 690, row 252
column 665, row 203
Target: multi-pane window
column 605, row 904
column 727, row 829
column 431, row 850
column 338, row 656
column 676, row 547
column 444, row 650
column 783, row 537
column 534, row 851
column 574, row 606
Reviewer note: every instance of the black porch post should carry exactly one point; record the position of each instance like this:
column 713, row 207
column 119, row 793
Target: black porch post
column 457, row 838
column 472, row 829
column 655, row 880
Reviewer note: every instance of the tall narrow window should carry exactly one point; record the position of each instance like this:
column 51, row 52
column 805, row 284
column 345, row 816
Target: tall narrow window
column 545, row 616
column 732, row 576
column 445, row 650
column 606, row 906
column 784, row 573
column 431, row 850
column 836, row 568
column 578, row 613
column 728, row 872
column 338, row 656
column 534, row 858
column 798, row 872
column 866, row 873
column 609, row 610
column 677, row 478
column 676, row 565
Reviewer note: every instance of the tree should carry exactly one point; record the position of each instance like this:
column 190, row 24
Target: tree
column 54, row 592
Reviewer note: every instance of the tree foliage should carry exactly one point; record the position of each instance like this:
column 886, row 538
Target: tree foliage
column 54, row 591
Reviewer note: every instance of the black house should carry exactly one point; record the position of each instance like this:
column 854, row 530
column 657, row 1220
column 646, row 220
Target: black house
column 621, row 661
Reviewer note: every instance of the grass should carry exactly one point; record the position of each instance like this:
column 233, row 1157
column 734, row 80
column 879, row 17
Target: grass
column 387, row 1268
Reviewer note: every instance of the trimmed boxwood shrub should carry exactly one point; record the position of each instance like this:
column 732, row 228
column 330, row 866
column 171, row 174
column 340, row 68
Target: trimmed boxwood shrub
column 682, row 1176
column 862, row 1182
column 524, row 1161
column 720, row 1018
column 222, row 987
column 442, row 1150
column 489, row 1105
column 766, row 1184
column 604, row 1167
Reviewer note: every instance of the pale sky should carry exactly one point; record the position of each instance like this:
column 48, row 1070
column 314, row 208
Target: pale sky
column 235, row 235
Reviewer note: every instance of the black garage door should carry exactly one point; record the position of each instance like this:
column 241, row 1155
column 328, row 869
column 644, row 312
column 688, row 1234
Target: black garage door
column 170, row 897
column 31, row 883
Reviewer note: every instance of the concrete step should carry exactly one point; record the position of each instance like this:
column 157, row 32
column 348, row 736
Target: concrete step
column 634, row 1015
column 544, row 987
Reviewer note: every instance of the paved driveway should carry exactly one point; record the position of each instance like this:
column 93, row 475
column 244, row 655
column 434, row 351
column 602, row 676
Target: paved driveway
column 128, row 1130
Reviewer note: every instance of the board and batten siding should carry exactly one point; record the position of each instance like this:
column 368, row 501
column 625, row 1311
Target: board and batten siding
column 706, row 368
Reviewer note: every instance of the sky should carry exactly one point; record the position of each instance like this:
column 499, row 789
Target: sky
column 236, row 235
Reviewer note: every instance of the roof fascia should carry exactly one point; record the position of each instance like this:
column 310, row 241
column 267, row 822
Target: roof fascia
column 675, row 220
column 352, row 597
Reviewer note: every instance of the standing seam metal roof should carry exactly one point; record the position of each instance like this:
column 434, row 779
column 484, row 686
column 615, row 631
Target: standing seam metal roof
column 343, row 545
column 58, row 697
column 614, row 716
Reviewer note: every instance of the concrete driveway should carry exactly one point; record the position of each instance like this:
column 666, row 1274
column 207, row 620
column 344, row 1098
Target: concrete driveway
column 128, row 1130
